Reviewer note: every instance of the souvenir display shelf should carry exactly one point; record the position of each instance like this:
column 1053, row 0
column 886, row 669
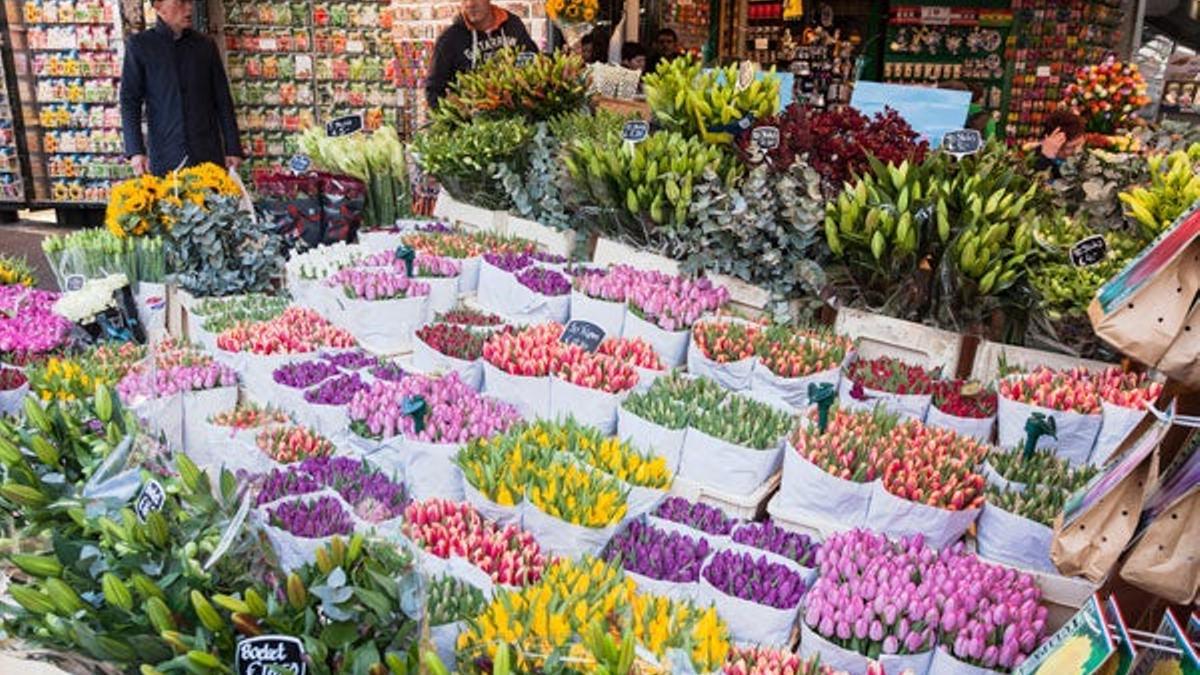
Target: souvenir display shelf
column 12, row 186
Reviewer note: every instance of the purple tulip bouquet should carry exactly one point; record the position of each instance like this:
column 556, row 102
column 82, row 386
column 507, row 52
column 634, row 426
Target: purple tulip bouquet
column 508, row 261
column 374, row 497
column 304, row 374
column 768, row 536
column 758, row 598
column 336, row 391
column 350, row 360
column 314, row 518
column 650, row 555
column 544, row 281
column 700, row 517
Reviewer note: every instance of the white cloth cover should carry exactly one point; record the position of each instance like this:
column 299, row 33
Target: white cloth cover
column 430, row 471
column 734, row 376
column 672, row 346
column 382, row 326
column 530, row 395
column 979, row 429
column 945, row 664
column 812, row 644
column 724, row 466
column 1116, row 422
column 443, row 294
column 896, row 517
column 501, row 515
column 608, row 315
column 1010, row 539
column 794, row 390
column 1076, row 432
column 427, row 360
column 558, row 537
column 650, row 437
column 907, row 406
column 590, row 407
column 749, row 621
column 11, row 401
column 809, row 495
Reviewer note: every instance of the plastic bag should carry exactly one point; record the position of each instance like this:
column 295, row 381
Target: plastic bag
column 1010, row 539
column 608, row 315
column 1076, row 432
column 672, row 346
column 590, row 407
column 653, row 438
column 724, row 466
column 530, row 395
column 342, row 202
column 11, row 401
column 445, row 639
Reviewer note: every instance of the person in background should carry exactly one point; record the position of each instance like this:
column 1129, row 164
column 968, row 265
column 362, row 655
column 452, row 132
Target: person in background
column 1065, row 136
column 666, row 47
column 633, row 56
column 479, row 31
column 173, row 78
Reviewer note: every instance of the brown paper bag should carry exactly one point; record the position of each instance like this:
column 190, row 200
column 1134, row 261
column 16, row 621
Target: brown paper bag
column 1166, row 559
column 1099, row 519
column 1182, row 359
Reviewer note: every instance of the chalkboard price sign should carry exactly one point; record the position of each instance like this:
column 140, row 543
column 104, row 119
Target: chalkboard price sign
column 300, row 163
column 635, row 131
column 583, row 333
column 150, row 500
column 766, row 138
column 1090, row 251
column 267, row 654
column 344, row 126
column 525, row 58
column 962, row 142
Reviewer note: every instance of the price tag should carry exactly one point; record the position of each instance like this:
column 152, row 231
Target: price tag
column 766, row 138
column 355, row 46
column 267, row 654
column 635, row 131
column 1043, row 71
column 268, row 44
column 151, row 499
column 299, row 163
column 344, row 126
column 525, row 58
column 75, row 282
column 762, row 44
column 1089, row 251
column 962, row 142
column 583, row 333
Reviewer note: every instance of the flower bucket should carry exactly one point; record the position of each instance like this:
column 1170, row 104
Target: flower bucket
column 812, row 644
column 896, row 517
column 672, row 346
column 429, row 361
column 590, row 407
column 430, row 471
column 443, row 294
column 1076, row 432
column 945, row 664
column 750, row 621
column 728, row 467
column 734, row 376
column 608, row 315
column 530, row 395
column 382, row 326
column 809, row 495
column 907, row 406
column 1116, row 422
column 558, row 537
column 793, row 390
column 653, row 438
column 1012, row 540
column 198, row 406
column 979, row 429
column 501, row 515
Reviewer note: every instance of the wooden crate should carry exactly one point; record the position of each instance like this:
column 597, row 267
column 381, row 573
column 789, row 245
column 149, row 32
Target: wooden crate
column 609, row 252
column 551, row 240
column 622, row 107
column 986, row 366
column 470, row 216
column 919, row 345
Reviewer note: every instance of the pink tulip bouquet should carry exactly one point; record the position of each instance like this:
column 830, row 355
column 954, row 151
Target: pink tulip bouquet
column 754, row 660
column 508, row 555
column 456, row 413
column 673, row 303
column 28, row 324
column 634, row 351
column 374, row 284
column 602, row 373
column 529, row 352
column 296, row 331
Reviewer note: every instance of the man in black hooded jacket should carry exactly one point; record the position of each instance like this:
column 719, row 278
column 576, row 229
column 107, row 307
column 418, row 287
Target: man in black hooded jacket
column 480, row 30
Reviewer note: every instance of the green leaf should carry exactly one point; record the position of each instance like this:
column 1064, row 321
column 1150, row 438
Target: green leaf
column 339, row 634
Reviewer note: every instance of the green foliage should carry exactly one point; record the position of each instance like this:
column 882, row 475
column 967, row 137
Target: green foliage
column 502, row 87
column 464, row 160
column 377, row 159
column 218, row 249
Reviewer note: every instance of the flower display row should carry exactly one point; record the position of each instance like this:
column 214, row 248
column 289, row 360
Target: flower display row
column 296, row 331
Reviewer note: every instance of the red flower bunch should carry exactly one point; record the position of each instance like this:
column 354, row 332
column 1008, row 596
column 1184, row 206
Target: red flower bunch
column 788, row 352
column 892, row 376
column 837, row 142
column 964, row 399
column 453, row 340
column 725, row 341
column 11, row 378
column 1080, row 390
column 594, row 371
column 469, row 317
column 933, row 466
column 634, row 351
column 508, row 555
column 529, row 352
column 296, row 331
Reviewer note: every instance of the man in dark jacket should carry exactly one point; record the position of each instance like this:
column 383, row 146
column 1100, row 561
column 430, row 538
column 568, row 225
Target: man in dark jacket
column 480, row 30
column 177, row 76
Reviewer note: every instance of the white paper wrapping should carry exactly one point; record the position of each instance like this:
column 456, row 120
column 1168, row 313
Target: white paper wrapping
column 652, row 438
column 793, row 390
column 750, row 621
column 558, row 537
column 501, row 515
column 163, row 416
column 809, row 495
column 497, row 290
column 642, row 500
column 1116, row 422
column 734, row 376
column 198, row 406
column 445, row 640
column 468, row 280
column 430, row 471
column 724, row 466
column 672, row 346
column 1010, row 539
column 667, row 589
column 945, row 664
column 979, row 429
column 151, row 301
column 388, row 453
column 236, row 450
column 429, row 361
column 854, row 663
column 590, row 407
column 994, row 478
column 608, row 315
column 646, row 377
column 11, row 400
column 1076, row 432
column 257, row 372
column 530, row 395
column 382, row 326
column 443, row 294
column 897, row 517
column 907, row 406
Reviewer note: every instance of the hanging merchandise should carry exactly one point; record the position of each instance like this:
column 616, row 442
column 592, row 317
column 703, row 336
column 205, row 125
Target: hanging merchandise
column 74, row 54
column 12, row 188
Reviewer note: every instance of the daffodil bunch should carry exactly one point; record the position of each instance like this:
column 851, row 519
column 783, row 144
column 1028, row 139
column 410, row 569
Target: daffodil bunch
column 577, row 494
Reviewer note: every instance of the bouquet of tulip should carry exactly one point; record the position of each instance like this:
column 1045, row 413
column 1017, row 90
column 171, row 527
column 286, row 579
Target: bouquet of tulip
column 142, row 383
column 455, row 412
column 935, row 467
column 769, row 661
column 768, row 536
column 577, row 495
column 657, row 554
column 610, row 285
column 295, row 331
column 320, row 262
column 453, row 340
column 660, row 405
column 634, row 351
column 351, row 360
column 336, row 391
column 743, row 422
column 368, row 284
column 528, row 352
column 700, row 517
column 313, row 518
column 469, row 317
column 758, row 580
column 249, row 415
column 459, row 244
column 65, row 378
column 791, row 353
column 848, row 448
column 509, row 556
column 958, row 398
column 498, row 467
column 1127, row 389
column 293, row 444
column 221, row 314
column 1038, row 503
column 509, row 261
column 389, row 372
column 726, row 341
column 891, row 376
column 673, row 303
column 374, row 497
column 1041, row 467
column 28, row 325
column 1072, row 390
column 304, row 374
column 544, row 281
column 16, row 271
column 12, row 379
column 613, row 456
column 571, row 363
column 452, row 600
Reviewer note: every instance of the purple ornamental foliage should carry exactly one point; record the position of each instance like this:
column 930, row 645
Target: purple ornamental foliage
column 544, row 281
column 657, row 554
column 703, row 517
column 509, row 261
column 312, row 519
column 336, row 391
column 755, row 579
column 770, row 537
column 304, row 374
